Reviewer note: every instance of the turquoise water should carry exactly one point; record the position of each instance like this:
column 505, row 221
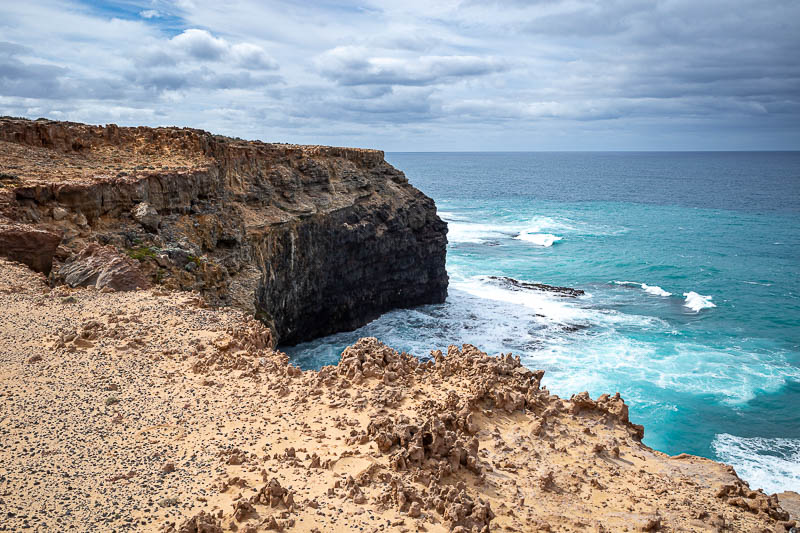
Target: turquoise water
column 691, row 267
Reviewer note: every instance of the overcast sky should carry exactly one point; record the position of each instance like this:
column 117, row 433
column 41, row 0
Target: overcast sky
column 417, row 75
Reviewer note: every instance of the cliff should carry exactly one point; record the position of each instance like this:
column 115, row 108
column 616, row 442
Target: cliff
column 311, row 239
column 146, row 411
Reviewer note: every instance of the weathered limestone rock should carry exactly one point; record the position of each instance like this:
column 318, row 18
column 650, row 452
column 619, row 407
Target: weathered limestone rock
column 148, row 217
column 29, row 245
column 100, row 267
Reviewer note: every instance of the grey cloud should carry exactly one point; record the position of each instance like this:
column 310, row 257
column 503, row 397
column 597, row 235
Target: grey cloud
column 398, row 105
column 160, row 80
column 691, row 71
column 194, row 46
column 39, row 80
column 200, row 44
column 349, row 65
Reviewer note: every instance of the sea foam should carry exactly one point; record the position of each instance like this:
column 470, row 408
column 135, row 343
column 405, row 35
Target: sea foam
column 696, row 302
column 650, row 289
column 769, row 464
column 539, row 239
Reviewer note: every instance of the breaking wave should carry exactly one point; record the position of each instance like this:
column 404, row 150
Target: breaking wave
column 769, row 464
column 697, row 302
column 539, row 239
column 650, row 289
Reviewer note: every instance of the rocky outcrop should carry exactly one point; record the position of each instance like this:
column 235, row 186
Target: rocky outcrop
column 517, row 285
column 311, row 239
column 103, row 267
column 29, row 245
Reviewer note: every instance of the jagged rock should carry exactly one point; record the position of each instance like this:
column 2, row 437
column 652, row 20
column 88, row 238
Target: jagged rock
column 242, row 509
column 147, row 216
column 29, row 245
column 201, row 523
column 102, row 266
column 518, row 285
column 273, row 494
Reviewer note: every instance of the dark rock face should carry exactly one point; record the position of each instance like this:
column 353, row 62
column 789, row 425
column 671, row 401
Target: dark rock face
column 311, row 239
column 339, row 271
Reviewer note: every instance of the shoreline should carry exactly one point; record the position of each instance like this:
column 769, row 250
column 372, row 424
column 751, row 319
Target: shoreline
column 154, row 408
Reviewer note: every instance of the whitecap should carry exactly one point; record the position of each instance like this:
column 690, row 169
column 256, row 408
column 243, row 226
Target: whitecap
column 650, row 289
column 472, row 232
column 696, row 302
column 769, row 464
column 539, row 239
column 655, row 290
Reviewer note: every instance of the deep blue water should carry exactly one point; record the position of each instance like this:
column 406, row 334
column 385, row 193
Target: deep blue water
column 721, row 381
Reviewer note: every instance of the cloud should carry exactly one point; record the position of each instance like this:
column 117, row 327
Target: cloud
column 200, row 46
column 351, row 65
column 149, row 14
column 415, row 74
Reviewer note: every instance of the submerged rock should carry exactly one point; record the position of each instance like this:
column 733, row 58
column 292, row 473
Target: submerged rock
column 524, row 285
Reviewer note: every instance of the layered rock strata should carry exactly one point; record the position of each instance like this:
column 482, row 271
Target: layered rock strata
column 311, row 239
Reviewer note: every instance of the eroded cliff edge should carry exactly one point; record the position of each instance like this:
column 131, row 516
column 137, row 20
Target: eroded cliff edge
column 311, row 239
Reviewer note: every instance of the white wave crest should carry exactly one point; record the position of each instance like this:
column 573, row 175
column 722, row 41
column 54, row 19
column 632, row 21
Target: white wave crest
column 696, row 302
column 539, row 239
column 471, row 232
column 468, row 229
column 650, row 289
column 769, row 464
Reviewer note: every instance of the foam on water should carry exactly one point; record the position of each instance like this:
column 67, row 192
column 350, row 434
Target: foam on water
column 697, row 302
column 463, row 229
column 650, row 289
column 539, row 239
column 769, row 464
column 472, row 232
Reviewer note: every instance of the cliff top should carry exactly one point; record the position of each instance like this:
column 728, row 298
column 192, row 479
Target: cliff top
column 155, row 413
column 47, row 151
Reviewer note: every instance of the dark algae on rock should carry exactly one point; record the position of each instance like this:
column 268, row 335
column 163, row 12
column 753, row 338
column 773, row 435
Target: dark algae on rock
column 310, row 239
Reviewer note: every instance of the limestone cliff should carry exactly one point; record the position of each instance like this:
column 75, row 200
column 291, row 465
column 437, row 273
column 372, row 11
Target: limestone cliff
column 312, row 239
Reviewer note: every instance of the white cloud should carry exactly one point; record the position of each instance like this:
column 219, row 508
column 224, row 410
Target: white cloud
column 351, row 65
column 415, row 74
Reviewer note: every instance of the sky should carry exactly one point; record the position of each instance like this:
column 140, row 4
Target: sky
column 417, row 75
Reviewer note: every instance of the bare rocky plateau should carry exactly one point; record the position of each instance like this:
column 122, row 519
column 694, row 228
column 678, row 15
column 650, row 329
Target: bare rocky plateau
column 140, row 393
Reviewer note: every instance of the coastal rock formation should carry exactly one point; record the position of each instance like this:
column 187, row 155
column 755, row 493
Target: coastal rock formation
column 29, row 245
column 148, row 411
column 311, row 239
column 102, row 267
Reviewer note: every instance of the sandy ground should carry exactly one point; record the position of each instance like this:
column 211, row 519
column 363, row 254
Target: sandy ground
column 145, row 411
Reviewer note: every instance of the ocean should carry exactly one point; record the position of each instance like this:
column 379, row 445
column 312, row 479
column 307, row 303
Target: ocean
column 690, row 263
